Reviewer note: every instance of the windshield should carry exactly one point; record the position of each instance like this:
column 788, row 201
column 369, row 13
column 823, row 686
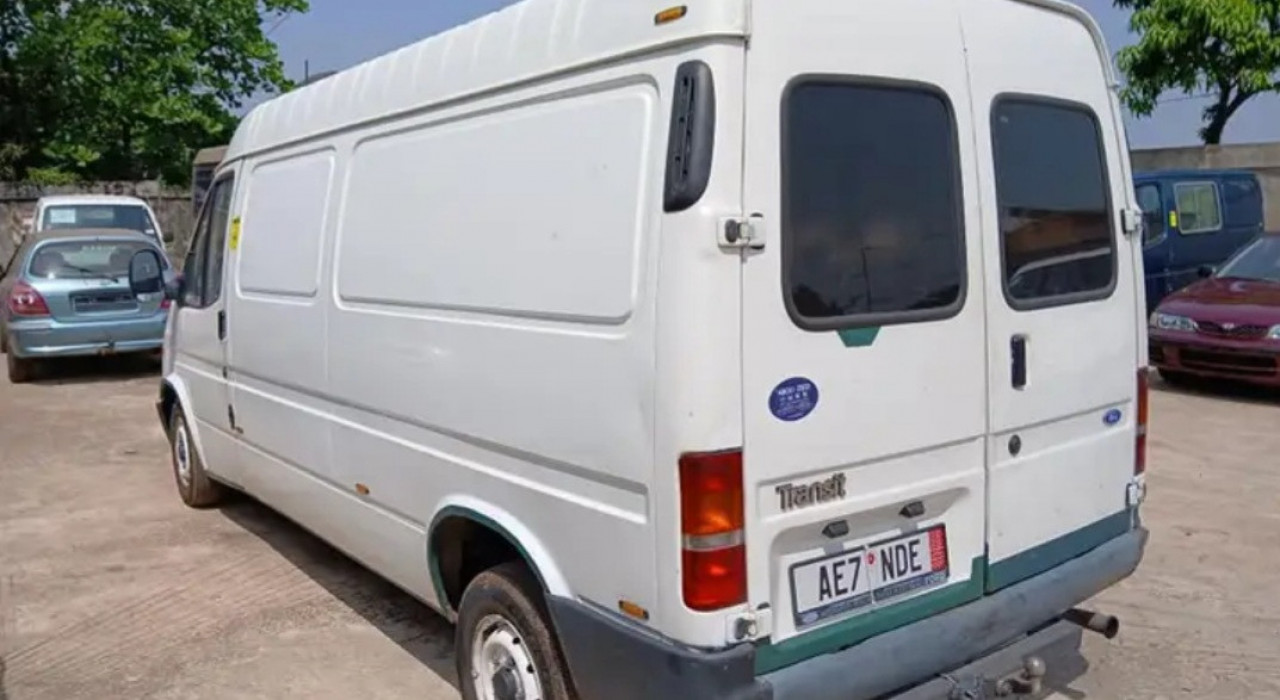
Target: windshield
column 1259, row 261
column 81, row 216
column 84, row 259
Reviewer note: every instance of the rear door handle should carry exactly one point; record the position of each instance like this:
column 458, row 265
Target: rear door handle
column 1018, row 346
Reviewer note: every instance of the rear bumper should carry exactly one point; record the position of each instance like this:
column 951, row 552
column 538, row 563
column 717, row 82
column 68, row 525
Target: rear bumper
column 48, row 338
column 975, row 643
column 1256, row 362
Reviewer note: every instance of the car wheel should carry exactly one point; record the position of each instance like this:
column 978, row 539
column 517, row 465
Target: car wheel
column 20, row 371
column 194, row 485
column 505, row 644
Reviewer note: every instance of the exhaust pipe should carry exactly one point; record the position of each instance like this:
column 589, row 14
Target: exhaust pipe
column 1106, row 625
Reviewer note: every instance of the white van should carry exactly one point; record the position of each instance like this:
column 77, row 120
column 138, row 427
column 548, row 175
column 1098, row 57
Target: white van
column 671, row 352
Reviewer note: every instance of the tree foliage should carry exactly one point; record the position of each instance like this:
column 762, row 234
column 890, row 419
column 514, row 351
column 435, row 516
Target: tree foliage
column 1228, row 49
column 127, row 89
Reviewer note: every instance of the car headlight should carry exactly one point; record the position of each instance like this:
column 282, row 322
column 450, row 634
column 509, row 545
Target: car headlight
column 1274, row 333
column 1169, row 322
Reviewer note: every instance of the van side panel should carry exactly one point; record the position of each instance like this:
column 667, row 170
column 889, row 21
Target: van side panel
column 490, row 328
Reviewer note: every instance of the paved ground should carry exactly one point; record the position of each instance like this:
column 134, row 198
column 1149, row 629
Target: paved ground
column 109, row 588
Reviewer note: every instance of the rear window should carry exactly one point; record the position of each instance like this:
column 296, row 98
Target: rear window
column 872, row 226
column 130, row 217
column 1242, row 200
column 1055, row 215
column 84, row 259
column 1199, row 210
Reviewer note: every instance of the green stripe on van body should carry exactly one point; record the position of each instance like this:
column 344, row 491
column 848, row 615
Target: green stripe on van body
column 771, row 657
column 1042, row 558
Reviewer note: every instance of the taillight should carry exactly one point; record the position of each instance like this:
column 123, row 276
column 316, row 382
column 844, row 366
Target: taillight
column 711, row 524
column 1140, row 443
column 25, row 301
column 165, row 304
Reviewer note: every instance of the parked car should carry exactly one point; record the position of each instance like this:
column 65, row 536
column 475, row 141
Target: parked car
column 91, row 211
column 1194, row 218
column 728, row 394
column 1227, row 325
column 66, row 293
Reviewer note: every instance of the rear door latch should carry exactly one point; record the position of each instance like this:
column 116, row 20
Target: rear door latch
column 743, row 232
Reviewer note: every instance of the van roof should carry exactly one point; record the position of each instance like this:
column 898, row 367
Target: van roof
column 527, row 40
column 1185, row 173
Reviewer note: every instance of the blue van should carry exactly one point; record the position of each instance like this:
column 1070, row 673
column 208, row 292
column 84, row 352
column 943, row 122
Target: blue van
column 1194, row 218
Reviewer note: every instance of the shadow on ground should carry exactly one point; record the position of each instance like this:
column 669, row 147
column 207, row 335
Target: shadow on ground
column 95, row 370
column 403, row 619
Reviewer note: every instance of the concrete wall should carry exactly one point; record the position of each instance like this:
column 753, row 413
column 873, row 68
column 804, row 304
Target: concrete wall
column 172, row 207
column 1261, row 158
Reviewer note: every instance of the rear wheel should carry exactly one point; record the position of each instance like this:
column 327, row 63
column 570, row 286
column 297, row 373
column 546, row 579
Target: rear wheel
column 20, row 371
column 505, row 646
column 194, row 485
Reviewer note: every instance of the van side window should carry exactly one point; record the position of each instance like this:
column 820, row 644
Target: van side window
column 219, row 219
column 193, row 265
column 1056, row 226
column 1199, row 210
column 1242, row 201
column 1152, row 206
column 202, row 269
column 872, row 229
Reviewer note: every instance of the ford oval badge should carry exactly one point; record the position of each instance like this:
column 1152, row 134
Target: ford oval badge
column 1113, row 416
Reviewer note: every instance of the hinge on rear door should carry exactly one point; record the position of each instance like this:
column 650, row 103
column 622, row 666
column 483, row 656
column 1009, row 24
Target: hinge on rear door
column 742, row 232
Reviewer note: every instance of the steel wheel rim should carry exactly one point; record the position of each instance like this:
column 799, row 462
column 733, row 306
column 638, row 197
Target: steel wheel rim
column 182, row 454
column 501, row 665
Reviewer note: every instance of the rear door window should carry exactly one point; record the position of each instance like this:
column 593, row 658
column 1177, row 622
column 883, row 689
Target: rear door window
column 872, row 224
column 1056, row 231
column 1199, row 209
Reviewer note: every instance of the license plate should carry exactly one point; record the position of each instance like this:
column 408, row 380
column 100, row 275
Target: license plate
column 858, row 578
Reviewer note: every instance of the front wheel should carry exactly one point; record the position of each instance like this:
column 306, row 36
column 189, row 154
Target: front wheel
column 505, row 646
column 194, row 485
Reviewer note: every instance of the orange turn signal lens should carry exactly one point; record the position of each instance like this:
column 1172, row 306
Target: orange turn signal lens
column 671, row 14
column 711, row 493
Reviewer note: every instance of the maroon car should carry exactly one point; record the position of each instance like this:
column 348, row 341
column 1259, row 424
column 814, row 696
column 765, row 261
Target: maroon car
column 1227, row 325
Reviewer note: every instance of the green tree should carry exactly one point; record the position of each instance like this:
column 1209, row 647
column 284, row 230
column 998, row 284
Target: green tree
column 1228, row 49
column 127, row 89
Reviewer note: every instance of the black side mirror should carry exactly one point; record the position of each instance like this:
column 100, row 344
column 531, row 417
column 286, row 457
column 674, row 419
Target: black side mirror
column 146, row 273
column 1206, row 271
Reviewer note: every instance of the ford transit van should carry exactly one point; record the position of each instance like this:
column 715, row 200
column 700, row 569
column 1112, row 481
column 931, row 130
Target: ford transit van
column 726, row 349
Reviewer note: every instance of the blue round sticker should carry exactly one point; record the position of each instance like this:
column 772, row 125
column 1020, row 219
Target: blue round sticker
column 1113, row 416
column 793, row 399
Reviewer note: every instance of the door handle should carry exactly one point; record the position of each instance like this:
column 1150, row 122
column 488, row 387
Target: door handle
column 222, row 325
column 1018, row 346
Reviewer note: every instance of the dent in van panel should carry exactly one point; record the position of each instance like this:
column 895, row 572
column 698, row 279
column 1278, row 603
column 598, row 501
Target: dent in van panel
column 522, row 212
column 284, row 219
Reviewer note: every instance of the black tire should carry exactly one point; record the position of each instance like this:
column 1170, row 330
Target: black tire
column 21, row 371
column 1175, row 377
column 196, row 489
column 509, row 595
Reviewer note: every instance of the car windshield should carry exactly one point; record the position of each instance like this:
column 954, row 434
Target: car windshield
column 1259, row 261
column 83, row 259
column 131, row 217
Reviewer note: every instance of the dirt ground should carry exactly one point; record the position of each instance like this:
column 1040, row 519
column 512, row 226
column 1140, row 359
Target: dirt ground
column 110, row 588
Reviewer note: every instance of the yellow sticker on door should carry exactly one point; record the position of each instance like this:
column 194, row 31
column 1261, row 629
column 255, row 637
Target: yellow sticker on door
column 235, row 233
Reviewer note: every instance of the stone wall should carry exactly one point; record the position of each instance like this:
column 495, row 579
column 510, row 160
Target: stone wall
column 172, row 208
column 1261, row 158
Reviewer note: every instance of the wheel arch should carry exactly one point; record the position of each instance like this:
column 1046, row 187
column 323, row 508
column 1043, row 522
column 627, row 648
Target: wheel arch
column 461, row 523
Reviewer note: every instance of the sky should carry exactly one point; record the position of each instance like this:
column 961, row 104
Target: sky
column 335, row 35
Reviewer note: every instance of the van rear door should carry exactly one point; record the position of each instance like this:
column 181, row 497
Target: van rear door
column 1063, row 298
column 864, row 343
